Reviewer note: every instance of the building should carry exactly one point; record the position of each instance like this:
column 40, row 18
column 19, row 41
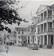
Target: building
column 26, row 35
column 32, row 35
column 21, row 36
column 45, row 25
column 11, row 38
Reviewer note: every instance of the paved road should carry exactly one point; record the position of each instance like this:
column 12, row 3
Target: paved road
column 23, row 51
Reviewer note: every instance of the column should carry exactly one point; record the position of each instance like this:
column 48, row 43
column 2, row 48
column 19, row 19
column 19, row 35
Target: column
column 47, row 15
column 47, row 26
column 27, row 39
column 43, row 39
column 52, row 24
column 43, row 27
column 47, row 39
column 53, row 40
column 47, row 19
column 40, row 40
column 40, row 17
column 40, row 28
column 43, row 16
column 52, row 14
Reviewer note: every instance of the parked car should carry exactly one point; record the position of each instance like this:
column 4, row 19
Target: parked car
column 34, row 46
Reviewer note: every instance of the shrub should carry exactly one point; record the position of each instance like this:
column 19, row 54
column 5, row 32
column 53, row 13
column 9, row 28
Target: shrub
column 41, row 46
column 49, row 46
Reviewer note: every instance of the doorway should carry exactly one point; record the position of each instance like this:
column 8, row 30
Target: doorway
column 51, row 39
column 28, row 40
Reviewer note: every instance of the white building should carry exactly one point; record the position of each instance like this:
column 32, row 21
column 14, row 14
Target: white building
column 45, row 25
column 26, row 36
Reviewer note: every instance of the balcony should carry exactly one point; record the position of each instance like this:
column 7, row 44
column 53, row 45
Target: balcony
column 50, row 29
column 46, row 19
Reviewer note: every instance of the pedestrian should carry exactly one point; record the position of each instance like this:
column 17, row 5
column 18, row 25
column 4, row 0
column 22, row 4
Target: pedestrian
column 7, row 48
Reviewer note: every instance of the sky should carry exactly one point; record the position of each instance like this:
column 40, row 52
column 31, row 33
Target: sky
column 30, row 7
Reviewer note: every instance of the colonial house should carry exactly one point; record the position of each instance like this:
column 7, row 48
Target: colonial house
column 45, row 25
column 26, row 35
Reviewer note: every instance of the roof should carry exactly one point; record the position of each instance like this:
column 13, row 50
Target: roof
column 41, row 7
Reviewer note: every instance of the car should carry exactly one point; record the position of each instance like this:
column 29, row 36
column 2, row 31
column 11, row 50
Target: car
column 34, row 46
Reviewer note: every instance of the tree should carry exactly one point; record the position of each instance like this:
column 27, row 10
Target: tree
column 8, row 15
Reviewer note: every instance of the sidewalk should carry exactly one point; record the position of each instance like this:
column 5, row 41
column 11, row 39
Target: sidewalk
column 2, row 54
column 24, row 51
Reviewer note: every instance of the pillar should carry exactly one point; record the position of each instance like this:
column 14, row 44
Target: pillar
column 43, row 39
column 40, row 28
column 47, row 15
column 47, row 39
column 53, row 40
column 43, row 27
column 43, row 16
column 47, row 26
column 40, row 40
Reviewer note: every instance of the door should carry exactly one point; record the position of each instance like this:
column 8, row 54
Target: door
column 28, row 40
column 51, row 39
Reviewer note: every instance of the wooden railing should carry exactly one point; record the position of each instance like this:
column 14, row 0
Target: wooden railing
column 50, row 29
column 46, row 18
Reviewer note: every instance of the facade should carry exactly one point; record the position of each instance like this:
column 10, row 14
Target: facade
column 26, row 36
column 45, row 25
column 11, row 38
column 21, row 36
column 32, row 35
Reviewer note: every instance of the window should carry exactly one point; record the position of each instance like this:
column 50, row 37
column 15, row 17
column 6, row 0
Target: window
column 49, row 24
column 19, row 41
column 28, row 40
column 19, row 37
column 42, row 17
column 19, row 32
column 41, row 27
column 45, row 40
column 38, row 29
column 45, row 15
column 49, row 13
column 45, row 27
column 33, row 38
column 22, row 32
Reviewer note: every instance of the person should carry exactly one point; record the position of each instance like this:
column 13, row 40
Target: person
column 7, row 48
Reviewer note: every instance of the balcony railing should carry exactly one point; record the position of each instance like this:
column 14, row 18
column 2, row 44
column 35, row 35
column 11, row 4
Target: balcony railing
column 46, row 18
column 50, row 29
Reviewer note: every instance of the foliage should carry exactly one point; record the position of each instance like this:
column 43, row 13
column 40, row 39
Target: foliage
column 8, row 15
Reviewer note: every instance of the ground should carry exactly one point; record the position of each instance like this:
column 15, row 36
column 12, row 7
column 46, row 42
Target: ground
column 24, row 51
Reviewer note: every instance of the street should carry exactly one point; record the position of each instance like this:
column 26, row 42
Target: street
column 24, row 51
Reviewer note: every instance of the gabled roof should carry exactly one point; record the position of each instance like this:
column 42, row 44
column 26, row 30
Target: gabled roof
column 52, row 6
column 41, row 7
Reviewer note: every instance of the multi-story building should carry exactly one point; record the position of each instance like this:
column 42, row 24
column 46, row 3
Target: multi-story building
column 21, row 36
column 45, row 25
column 26, row 35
